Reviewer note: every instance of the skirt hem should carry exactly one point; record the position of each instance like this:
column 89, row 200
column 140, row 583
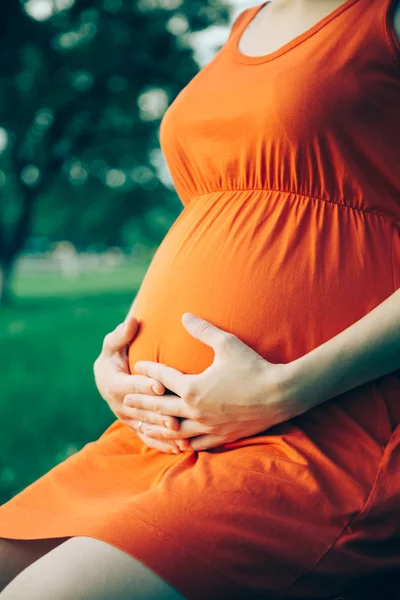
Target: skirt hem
column 176, row 565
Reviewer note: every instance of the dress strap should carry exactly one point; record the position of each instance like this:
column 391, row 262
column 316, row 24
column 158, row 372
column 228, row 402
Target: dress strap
column 243, row 18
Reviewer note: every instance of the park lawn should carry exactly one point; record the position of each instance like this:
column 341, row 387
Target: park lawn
column 49, row 405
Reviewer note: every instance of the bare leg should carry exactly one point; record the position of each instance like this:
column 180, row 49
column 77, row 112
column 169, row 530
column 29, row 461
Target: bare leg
column 16, row 555
column 84, row 568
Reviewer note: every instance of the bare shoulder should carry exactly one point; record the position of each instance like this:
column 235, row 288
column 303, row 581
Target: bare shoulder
column 397, row 19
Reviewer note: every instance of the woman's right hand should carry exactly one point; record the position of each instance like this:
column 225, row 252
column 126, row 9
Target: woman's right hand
column 114, row 382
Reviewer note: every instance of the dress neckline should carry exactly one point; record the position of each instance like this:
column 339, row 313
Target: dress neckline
column 253, row 12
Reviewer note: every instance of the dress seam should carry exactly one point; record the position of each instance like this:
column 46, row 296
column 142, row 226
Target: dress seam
column 163, row 534
column 302, row 195
column 183, row 547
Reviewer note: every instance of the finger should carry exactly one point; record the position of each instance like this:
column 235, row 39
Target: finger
column 184, row 445
column 171, row 378
column 191, row 427
column 136, row 425
column 162, row 446
column 204, row 442
column 120, row 336
column 168, row 404
column 206, row 332
column 152, row 418
column 140, row 384
column 188, row 428
column 160, row 433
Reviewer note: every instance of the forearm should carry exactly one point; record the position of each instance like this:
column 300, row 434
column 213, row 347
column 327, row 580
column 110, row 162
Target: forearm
column 368, row 349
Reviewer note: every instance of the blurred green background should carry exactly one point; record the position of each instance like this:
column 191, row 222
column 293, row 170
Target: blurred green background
column 85, row 198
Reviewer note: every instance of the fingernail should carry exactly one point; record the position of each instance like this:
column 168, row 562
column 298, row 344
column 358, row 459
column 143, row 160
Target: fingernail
column 187, row 317
column 167, row 425
column 156, row 388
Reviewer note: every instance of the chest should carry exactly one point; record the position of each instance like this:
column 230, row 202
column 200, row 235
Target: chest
column 277, row 24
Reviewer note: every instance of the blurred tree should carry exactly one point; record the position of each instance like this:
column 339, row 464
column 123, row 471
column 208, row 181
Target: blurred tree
column 84, row 86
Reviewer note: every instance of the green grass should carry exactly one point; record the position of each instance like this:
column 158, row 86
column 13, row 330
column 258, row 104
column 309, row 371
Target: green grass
column 49, row 338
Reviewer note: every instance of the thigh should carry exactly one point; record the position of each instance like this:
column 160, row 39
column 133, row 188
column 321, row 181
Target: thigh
column 16, row 555
column 84, row 568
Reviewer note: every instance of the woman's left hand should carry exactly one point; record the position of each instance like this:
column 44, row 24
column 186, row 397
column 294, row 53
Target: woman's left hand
column 239, row 395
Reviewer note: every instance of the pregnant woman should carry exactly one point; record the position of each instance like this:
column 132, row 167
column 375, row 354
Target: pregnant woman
column 266, row 461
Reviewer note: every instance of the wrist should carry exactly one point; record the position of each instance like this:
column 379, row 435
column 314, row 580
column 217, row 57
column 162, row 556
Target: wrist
column 282, row 392
column 307, row 381
column 296, row 387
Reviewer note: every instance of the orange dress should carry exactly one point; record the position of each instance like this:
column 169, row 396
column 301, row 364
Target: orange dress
column 288, row 167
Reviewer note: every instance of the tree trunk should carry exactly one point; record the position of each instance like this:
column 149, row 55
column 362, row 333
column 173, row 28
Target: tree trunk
column 5, row 284
column 11, row 247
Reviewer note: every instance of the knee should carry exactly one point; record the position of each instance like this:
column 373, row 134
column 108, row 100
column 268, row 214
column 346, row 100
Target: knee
column 17, row 555
column 11, row 561
column 88, row 569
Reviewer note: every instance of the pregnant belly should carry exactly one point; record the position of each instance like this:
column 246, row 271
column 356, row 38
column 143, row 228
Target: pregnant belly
column 284, row 273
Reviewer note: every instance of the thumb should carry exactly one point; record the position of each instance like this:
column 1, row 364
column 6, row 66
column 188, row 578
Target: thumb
column 130, row 326
column 204, row 331
column 121, row 335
